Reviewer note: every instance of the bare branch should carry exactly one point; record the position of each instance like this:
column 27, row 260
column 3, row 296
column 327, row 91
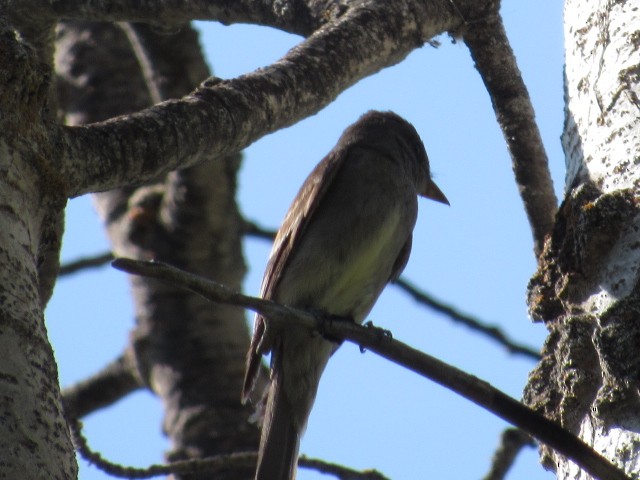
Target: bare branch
column 258, row 231
column 255, row 230
column 244, row 461
column 113, row 382
column 512, row 441
column 84, row 263
column 241, row 460
column 249, row 228
column 496, row 63
column 339, row 471
column 148, row 69
column 468, row 386
column 491, row 331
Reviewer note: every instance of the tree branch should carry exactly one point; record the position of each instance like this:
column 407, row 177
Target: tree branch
column 496, row 63
column 241, row 460
column 85, row 262
column 294, row 16
column 490, row 331
column 339, row 471
column 512, row 441
column 251, row 228
column 468, row 386
column 244, row 461
column 113, row 382
column 222, row 117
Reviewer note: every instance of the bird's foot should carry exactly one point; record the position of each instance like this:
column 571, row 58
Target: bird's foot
column 381, row 332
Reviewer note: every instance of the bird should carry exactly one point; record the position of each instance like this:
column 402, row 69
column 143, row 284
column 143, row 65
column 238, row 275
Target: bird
column 347, row 233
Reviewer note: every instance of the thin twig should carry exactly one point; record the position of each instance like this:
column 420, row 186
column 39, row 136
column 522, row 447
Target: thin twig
column 235, row 460
column 468, row 386
column 147, row 67
column 241, row 460
column 85, row 262
column 255, row 230
column 250, row 228
column 339, row 471
column 491, row 331
column 258, row 231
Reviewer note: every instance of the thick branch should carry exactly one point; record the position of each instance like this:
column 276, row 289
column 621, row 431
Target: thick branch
column 468, row 386
column 496, row 63
column 225, row 116
column 295, row 16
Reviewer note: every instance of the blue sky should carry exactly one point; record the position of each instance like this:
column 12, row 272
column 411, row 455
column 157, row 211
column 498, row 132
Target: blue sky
column 476, row 254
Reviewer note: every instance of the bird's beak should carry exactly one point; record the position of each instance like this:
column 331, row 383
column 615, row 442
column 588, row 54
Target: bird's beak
column 434, row 193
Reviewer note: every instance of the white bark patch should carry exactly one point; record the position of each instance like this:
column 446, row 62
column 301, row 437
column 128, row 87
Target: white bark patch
column 601, row 140
column 602, row 42
column 618, row 274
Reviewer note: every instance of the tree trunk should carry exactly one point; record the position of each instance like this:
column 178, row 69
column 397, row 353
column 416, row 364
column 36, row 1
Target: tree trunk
column 35, row 441
column 586, row 289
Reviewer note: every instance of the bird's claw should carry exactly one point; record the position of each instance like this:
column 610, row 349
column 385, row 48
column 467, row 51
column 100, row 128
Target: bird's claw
column 381, row 332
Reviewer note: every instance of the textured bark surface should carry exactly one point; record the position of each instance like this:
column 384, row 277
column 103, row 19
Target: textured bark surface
column 586, row 289
column 223, row 117
column 34, row 441
column 492, row 53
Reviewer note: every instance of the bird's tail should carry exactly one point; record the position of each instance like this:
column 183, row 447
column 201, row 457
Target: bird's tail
column 280, row 441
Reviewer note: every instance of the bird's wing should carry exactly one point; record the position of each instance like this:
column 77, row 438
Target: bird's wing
column 288, row 236
column 401, row 260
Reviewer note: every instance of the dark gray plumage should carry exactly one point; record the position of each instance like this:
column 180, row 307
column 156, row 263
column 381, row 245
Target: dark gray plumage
column 346, row 235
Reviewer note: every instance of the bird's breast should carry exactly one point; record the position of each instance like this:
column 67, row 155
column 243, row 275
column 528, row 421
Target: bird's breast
column 344, row 273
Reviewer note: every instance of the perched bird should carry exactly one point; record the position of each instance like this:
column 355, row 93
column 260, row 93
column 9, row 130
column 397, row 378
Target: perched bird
column 346, row 235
